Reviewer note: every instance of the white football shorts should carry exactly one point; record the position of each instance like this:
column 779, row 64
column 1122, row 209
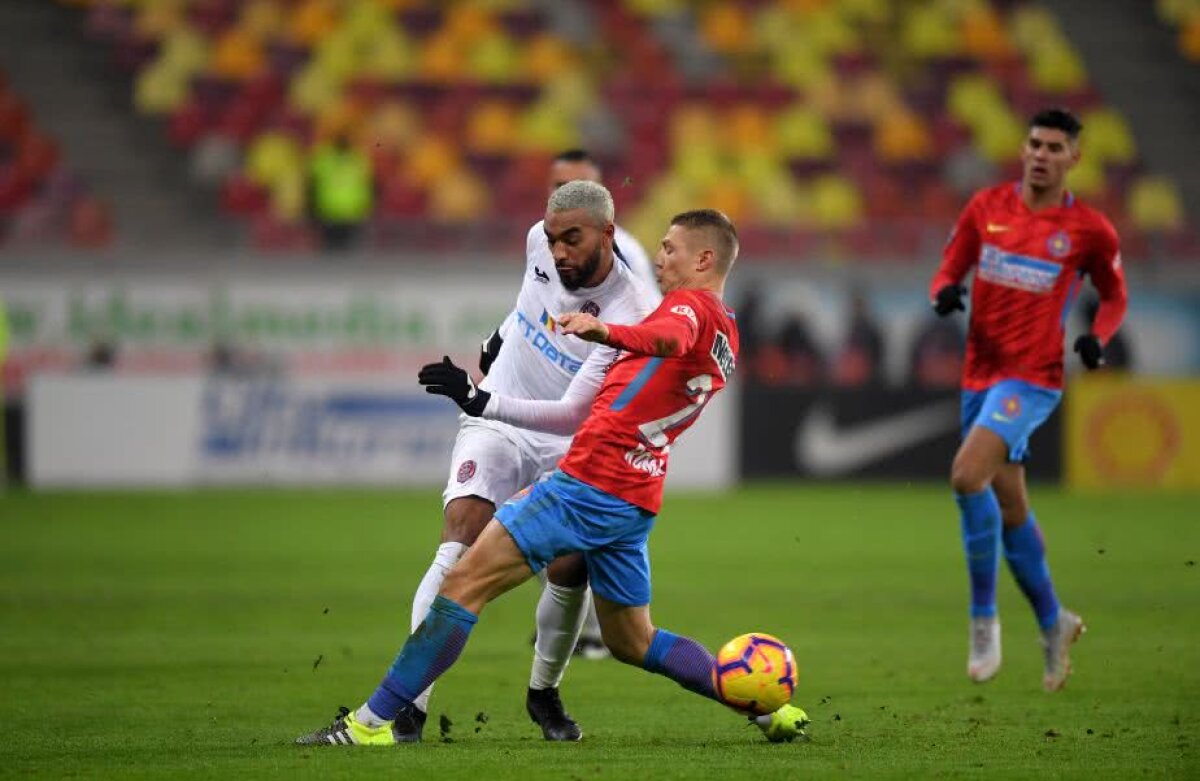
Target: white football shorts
column 494, row 460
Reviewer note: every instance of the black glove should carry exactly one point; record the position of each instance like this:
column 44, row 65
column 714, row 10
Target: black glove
column 1090, row 351
column 446, row 379
column 489, row 350
column 949, row 299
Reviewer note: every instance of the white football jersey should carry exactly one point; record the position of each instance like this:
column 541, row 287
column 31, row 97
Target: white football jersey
column 537, row 361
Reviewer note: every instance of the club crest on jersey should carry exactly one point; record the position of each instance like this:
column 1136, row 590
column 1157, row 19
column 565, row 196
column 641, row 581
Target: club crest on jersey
column 549, row 322
column 590, row 308
column 466, row 470
column 1035, row 275
column 722, row 355
column 1059, row 245
column 541, row 276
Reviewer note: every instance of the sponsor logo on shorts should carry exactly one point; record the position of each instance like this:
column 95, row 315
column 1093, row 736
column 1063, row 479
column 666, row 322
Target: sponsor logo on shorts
column 590, row 308
column 466, row 470
column 642, row 459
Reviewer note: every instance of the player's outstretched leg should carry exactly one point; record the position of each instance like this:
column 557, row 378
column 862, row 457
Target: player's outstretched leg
column 634, row 640
column 463, row 518
column 493, row 566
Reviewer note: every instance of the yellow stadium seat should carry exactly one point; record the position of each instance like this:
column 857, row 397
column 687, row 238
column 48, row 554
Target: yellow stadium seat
column 238, row 55
column 1087, row 178
column 442, row 59
column 901, row 137
column 999, row 135
column 312, row 21
column 263, row 18
column 272, row 155
column 492, row 127
column 1057, row 68
column 392, row 125
column 314, row 88
column 494, row 59
column 1107, row 136
column 161, row 88
column 984, row 36
column 837, row 203
column 747, row 128
column 725, row 27
column 928, row 30
column 1189, row 38
column 803, row 133
column 429, row 160
column 460, row 196
column 389, row 55
column 1155, row 204
column 780, row 202
column 546, row 56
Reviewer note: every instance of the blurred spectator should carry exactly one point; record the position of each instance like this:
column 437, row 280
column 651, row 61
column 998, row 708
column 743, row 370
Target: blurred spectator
column 794, row 358
column 342, row 190
column 860, row 360
column 936, row 358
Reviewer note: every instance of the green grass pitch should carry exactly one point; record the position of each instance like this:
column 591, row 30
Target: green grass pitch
column 193, row 635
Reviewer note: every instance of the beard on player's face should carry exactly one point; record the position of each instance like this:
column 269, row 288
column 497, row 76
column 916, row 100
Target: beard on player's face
column 582, row 274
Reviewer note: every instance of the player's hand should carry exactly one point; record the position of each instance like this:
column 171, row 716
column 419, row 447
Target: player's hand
column 949, row 299
column 1091, row 352
column 446, row 379
column 488, row 351
column 587, row 327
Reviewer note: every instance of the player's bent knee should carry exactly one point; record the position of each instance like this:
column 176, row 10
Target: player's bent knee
column 464, row 519
column 968, row 477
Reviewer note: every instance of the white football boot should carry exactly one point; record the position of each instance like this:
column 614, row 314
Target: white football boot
column 983, row 662
column 1056, row 644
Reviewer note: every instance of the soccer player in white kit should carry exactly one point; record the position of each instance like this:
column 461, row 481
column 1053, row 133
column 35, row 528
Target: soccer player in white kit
column 570, row 267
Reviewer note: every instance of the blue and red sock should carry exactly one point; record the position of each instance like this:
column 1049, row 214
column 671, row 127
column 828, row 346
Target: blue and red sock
column 1025, row 550
column 429, row 651
column 683, row 660
column 980, row 516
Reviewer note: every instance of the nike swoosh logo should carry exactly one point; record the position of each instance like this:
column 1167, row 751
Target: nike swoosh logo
column 994, row 228
column 824, row 449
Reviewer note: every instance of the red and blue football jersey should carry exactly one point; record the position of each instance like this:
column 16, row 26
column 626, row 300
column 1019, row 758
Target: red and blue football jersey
column 646, row 402
column 1029, row 266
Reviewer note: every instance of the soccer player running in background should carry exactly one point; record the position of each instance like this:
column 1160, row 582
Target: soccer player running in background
column 1030, row 243
column 603, row 499
column 493, row 460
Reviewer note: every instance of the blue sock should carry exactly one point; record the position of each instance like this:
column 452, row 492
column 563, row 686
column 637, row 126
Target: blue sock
column 683, row 660
column 1026, row 553
column 428, row 652
column 980, row 515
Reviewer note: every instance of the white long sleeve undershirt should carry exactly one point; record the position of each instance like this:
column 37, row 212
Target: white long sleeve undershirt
column 560, row 416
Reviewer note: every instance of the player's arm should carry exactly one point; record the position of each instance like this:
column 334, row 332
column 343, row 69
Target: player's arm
column 668, row 336
column 1108, row 277
column 962, row 251
column 561, row 416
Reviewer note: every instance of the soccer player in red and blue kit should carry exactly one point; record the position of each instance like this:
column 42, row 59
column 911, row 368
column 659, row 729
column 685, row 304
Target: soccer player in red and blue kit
column 603, row 498
column 1031, row 244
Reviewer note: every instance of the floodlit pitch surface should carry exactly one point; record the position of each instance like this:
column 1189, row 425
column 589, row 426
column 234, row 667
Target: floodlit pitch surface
column 193, row 635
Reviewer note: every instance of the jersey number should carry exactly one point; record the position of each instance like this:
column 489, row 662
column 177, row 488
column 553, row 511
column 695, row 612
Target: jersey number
column 654, row 433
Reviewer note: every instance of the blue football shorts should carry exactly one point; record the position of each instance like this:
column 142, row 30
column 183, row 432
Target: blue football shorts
column 559, row 515
column 1011, row 408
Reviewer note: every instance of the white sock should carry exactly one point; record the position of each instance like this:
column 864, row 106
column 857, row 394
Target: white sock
column 560, row 614
column 448, row 554
column 591, row 624
column 365, row 716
